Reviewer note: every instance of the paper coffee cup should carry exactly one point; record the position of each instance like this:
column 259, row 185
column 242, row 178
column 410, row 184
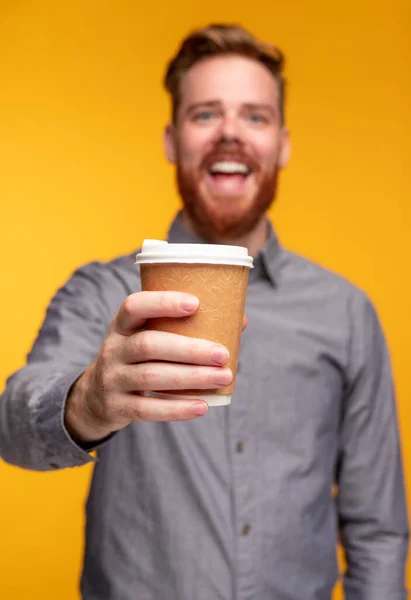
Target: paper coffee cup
column 218, row 276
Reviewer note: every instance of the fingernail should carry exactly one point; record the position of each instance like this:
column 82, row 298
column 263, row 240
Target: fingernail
column 222, row 376
column 190, row 303
column 220, row 355
column 198, row 409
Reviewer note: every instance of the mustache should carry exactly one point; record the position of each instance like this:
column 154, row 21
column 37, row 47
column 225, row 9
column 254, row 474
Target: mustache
column 229, row 152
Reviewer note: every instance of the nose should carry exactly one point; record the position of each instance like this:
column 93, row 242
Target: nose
column 229, row 129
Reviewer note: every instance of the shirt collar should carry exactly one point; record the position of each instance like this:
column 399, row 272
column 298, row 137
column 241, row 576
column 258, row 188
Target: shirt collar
column 265, row 263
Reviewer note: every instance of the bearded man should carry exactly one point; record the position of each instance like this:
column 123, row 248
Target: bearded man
column 242, row 502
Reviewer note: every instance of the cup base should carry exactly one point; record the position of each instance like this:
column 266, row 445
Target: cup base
column 211, row 399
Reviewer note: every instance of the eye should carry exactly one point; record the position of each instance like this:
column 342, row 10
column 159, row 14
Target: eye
column 204, row 116
column 257, row 118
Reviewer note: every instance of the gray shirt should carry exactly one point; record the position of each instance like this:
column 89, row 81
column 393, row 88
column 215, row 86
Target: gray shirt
column 238, row 505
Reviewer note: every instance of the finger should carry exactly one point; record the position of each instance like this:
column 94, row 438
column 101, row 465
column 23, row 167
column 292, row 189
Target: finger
column 158, row 376
column 139, row 307
column 146, row 346
column 143, row 408
column 245, row 322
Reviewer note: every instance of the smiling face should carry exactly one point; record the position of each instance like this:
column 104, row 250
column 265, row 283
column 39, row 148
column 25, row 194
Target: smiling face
column 228, row 143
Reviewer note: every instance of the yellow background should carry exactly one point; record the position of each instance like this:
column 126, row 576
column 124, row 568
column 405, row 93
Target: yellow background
column 83, row 177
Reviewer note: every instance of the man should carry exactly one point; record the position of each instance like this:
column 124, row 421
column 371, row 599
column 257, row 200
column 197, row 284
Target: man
column 234, row 502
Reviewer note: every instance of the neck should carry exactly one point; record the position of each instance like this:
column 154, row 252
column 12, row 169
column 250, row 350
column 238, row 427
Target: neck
column 254, row 240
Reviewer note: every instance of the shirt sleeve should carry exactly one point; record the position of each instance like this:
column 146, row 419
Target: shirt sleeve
column 32, row 430
column 371, row 498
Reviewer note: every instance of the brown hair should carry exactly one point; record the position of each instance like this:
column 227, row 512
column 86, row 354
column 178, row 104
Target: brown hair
column 217, row 40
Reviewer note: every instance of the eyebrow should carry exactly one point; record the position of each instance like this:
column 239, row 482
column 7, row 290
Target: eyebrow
column 207, row 104
column 217, row 104
column 256, row 106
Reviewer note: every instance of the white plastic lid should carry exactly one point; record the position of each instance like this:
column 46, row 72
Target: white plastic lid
column 157, row 251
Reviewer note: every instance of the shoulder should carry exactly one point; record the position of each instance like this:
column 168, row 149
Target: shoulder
column 338, row 303
column 336, row 298
column 102, row 284
column 120, row 272
column 310, row 274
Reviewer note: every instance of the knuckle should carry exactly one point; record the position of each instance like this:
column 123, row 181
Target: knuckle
column 164, row 302
column 108, row 381
column 108, row 409
column 106, row 351
column 147, row 377
column 122, row 412
column 174, row 414
column 206, row 377
column 190, row 378
column 178, row 381
column 145, row 345
column 141, row 412
column 192, row 352
column 129, row 305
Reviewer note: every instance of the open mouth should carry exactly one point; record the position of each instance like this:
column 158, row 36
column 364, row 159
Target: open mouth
column 228, row 177
column 229, row 168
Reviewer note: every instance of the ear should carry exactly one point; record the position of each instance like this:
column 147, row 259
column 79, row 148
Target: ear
column 170, row 143
column 285, row 148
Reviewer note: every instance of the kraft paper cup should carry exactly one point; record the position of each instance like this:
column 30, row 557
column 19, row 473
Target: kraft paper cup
column 218, row 276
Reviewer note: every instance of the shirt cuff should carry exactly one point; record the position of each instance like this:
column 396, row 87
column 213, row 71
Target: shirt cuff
column 59, row 449
column 358, row 592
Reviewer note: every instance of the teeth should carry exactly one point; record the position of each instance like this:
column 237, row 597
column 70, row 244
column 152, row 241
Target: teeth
column 229, row 167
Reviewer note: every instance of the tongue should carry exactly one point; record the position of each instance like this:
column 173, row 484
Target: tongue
column 228, row 183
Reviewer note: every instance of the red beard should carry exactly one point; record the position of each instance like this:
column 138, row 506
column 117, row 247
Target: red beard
column 223, row 218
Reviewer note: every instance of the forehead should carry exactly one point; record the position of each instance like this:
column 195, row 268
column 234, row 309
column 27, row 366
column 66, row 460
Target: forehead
column 231, row 80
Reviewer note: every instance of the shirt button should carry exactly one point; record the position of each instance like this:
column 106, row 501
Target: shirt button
column 246, row 529
column 239, row 447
